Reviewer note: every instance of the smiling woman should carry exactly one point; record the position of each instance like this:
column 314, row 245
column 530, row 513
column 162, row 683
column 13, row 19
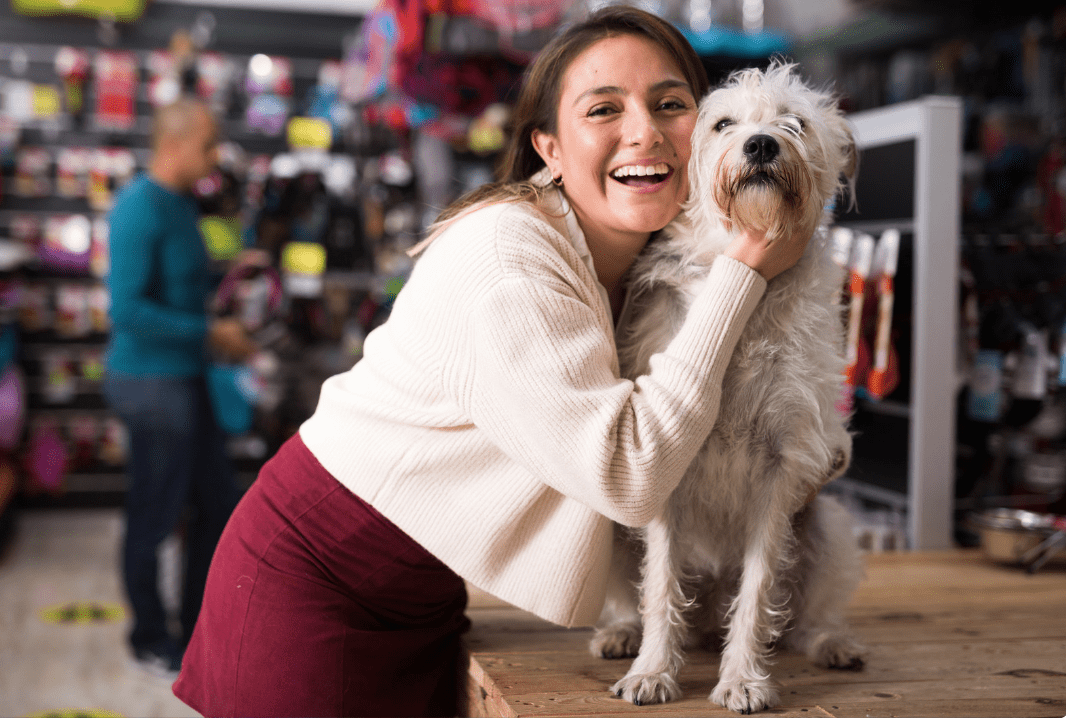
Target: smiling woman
column 486, row 434
column 620, row 147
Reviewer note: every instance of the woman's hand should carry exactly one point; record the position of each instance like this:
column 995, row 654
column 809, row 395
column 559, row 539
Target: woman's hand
column 767, row 258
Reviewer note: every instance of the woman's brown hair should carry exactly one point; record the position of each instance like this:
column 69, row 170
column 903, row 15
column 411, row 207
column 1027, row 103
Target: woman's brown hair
column 538, row 101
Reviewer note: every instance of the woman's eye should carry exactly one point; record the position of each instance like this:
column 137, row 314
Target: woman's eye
column 722, row 124
column 600, row 110
column 673, row 105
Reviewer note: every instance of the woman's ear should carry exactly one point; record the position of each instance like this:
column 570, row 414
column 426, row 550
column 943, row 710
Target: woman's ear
column 548, row 148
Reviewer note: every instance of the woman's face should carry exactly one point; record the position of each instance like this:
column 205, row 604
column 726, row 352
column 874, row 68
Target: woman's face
column 625, row 123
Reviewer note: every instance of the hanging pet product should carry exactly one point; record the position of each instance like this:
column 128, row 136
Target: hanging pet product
column 84, row 432
column 45, row 459
column 114, row 442
column 268, row 84
column 214, row 77
column 33, row 166
column 115, row 77
column 253, row 294
column 884, row 375
column 523, row 26
column 73, row 319
column 1062, row 356
column 12, row 407
column 99, row 259
column 12, row 384
column 98, row 190
column 60, row 380
column 985, row 401
column 72, row 172
column 856, row 351
column 72, row 65
column 67, row 244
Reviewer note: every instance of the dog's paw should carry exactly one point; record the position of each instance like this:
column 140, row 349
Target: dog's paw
column 642, row 689
column 838, row 650
column 745, row 697
column 619, row 640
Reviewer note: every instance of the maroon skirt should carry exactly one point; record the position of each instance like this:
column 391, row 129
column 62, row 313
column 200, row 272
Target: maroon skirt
column 317, row 605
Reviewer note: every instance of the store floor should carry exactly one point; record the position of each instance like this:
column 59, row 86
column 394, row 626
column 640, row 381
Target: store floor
column 63, row 622
column 950, row 635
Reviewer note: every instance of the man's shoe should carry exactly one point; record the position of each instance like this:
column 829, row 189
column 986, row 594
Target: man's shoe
column 162, row 661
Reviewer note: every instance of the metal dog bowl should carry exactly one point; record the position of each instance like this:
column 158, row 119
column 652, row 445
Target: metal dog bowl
column 1020, row 537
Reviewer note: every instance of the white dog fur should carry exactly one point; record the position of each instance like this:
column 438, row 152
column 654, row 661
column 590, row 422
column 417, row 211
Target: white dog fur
column 738, row 549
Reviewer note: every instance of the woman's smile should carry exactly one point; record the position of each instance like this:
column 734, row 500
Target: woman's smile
column 643, row 177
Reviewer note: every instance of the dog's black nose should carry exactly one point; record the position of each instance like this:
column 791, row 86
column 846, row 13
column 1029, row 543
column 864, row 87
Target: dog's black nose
column 761, row 149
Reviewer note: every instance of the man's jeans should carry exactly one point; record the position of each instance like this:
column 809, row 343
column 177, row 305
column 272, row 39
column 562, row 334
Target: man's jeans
column 177, row 467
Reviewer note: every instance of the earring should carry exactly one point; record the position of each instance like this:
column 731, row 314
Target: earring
column 557, row 181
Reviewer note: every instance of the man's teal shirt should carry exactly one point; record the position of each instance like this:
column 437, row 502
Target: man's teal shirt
column 160, row 282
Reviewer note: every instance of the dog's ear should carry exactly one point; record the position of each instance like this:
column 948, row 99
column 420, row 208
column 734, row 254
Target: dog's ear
column 850, row 153
column 844, row 138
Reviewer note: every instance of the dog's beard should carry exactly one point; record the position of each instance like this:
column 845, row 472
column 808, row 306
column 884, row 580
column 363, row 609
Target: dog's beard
column 774, row 200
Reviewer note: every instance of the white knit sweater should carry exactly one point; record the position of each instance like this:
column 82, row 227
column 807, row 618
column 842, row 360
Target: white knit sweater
column 487, row 418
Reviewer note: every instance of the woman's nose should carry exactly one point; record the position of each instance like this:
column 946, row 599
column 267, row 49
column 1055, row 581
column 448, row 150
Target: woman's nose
column 642, row 129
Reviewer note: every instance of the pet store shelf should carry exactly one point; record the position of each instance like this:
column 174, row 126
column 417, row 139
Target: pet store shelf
column 894, row 500
column 897, row 409
column 95, row 482
column 910, row 178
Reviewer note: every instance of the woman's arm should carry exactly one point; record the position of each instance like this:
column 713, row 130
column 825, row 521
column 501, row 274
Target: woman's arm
column 546, row 389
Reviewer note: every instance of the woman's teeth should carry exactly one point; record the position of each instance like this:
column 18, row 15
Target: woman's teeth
column 641, row 171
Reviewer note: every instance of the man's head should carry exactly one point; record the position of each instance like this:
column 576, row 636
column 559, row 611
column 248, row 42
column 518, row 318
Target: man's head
column 184, row 143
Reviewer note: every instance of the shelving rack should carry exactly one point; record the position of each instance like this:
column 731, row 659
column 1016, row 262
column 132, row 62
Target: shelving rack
column 238, row 34
column 931, row 129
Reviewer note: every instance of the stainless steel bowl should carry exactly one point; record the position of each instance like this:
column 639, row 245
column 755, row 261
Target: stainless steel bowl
column 1009, row 534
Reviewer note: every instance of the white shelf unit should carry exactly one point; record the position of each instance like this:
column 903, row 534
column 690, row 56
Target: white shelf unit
column 934, row 124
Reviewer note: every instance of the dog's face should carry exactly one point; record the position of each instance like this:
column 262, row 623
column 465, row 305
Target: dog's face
column 768, row 153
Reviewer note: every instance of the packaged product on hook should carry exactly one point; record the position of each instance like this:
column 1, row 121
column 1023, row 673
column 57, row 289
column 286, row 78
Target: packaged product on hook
column 985, row 401
column 884, row 374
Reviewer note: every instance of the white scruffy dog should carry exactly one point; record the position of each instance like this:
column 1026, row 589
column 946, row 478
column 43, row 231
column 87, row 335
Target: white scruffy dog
column 737, row 551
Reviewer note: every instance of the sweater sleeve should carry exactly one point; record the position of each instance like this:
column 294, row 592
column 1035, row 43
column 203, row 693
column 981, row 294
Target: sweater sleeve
column 547, row 389
column 134, row 238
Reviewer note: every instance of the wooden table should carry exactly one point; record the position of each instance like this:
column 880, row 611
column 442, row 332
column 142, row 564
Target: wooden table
column 949, row 633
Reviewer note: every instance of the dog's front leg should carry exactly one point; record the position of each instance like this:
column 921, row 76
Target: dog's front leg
column 653, row 676
column 755, row 619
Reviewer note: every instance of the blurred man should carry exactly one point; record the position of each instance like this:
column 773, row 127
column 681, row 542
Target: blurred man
column 160, row 281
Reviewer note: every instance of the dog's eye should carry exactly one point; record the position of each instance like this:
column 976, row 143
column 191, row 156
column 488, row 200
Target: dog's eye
column 723, row 123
